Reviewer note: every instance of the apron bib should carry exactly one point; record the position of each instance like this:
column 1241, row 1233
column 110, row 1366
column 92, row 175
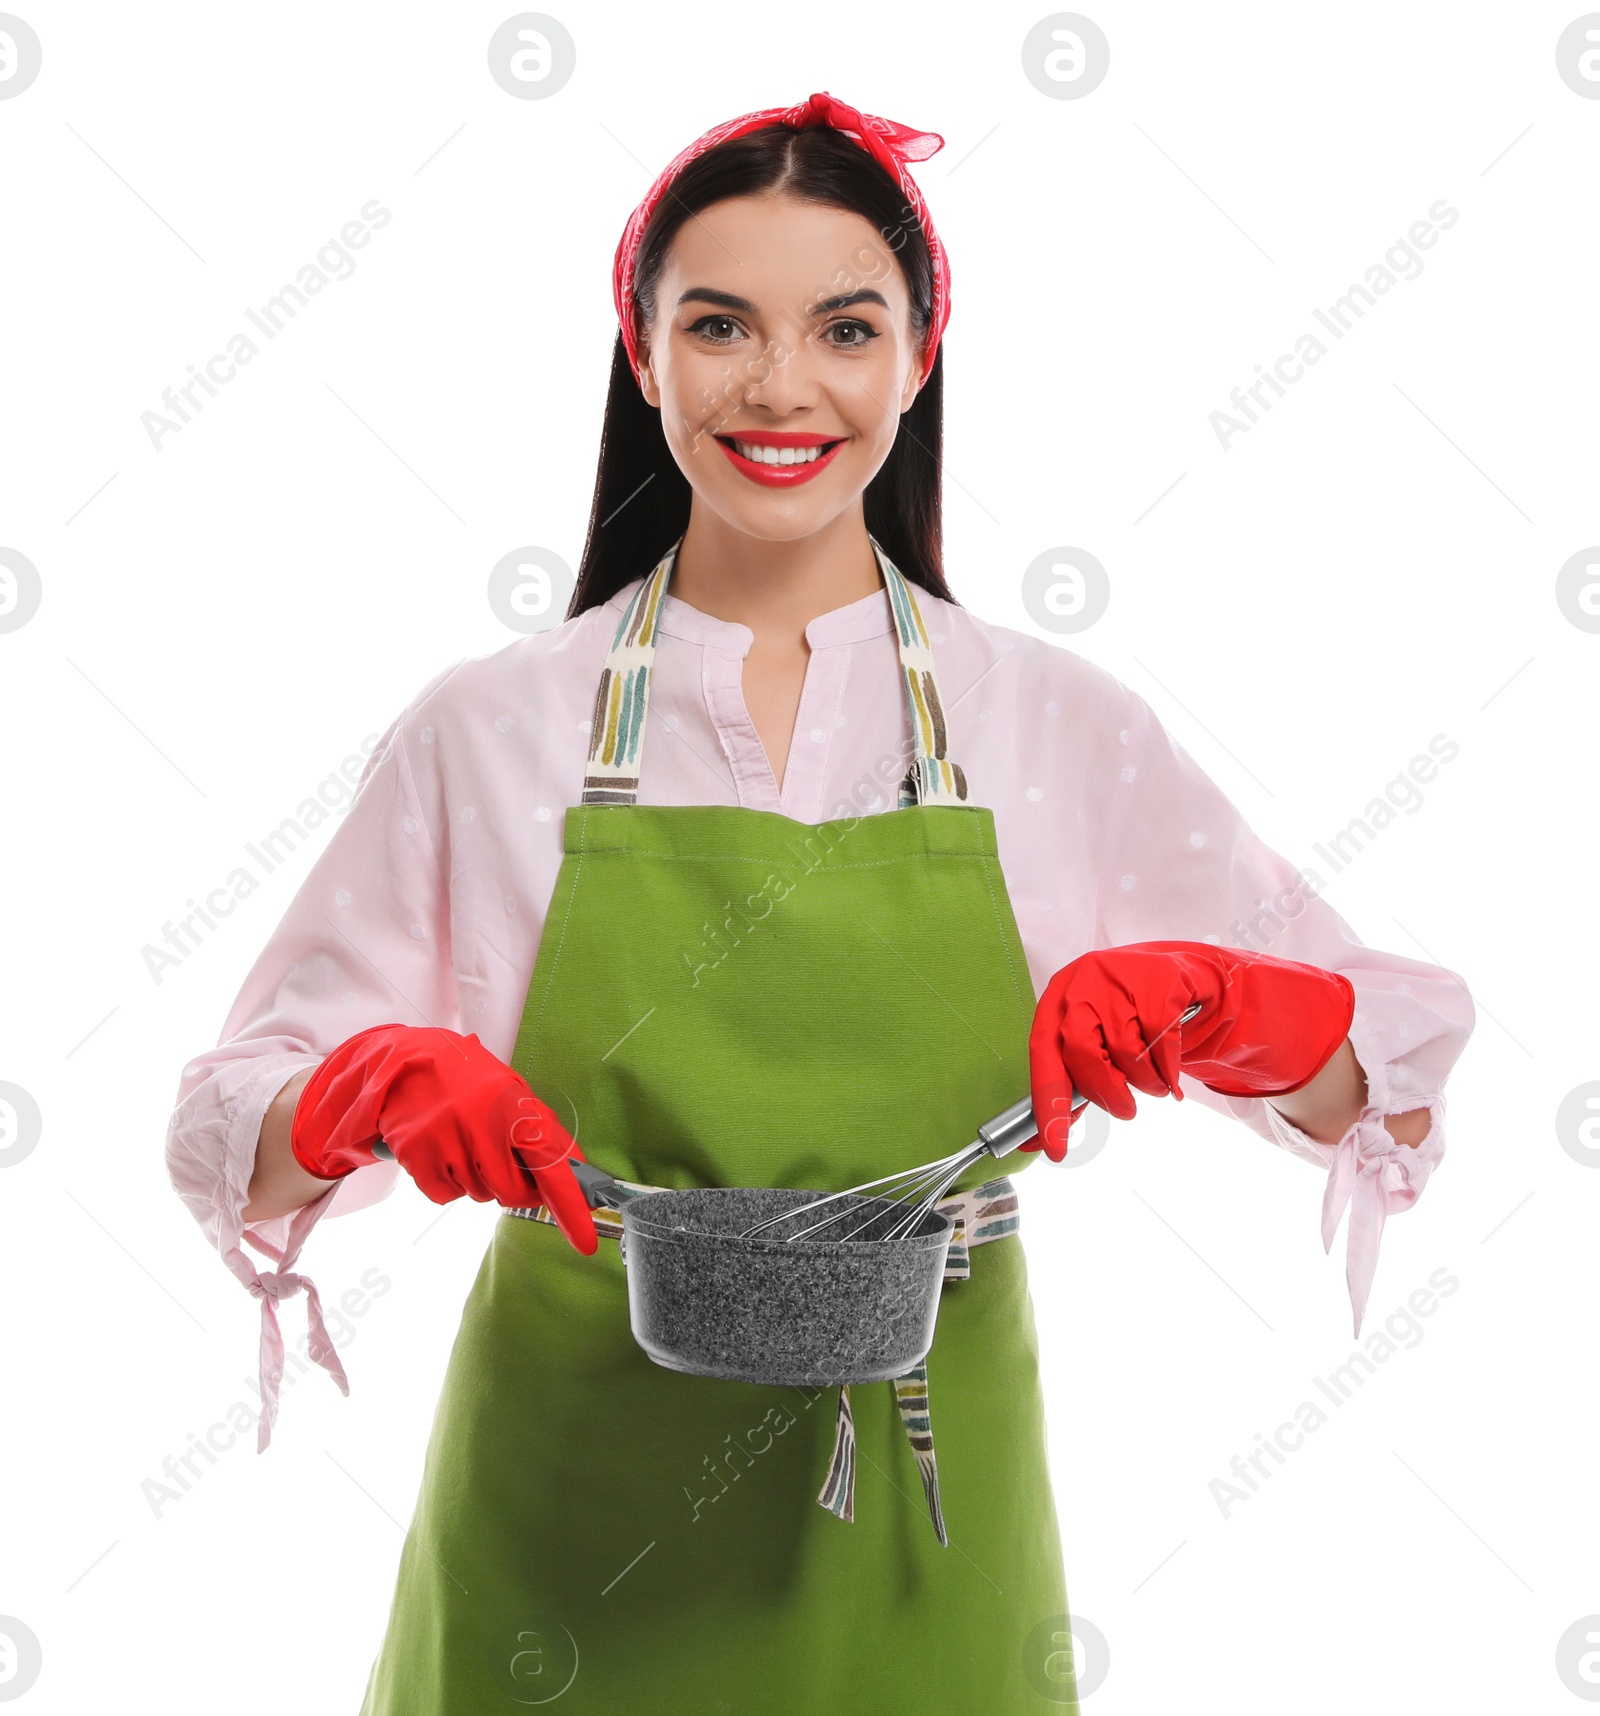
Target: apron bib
column 725, row 996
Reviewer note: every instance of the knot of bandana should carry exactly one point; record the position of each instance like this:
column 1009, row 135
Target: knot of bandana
column 890, row 144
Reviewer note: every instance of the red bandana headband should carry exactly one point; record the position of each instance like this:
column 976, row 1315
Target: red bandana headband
column 889, row 144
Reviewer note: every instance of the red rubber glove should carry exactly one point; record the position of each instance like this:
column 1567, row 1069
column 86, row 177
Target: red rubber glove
column 1265, row 1027
column 459, row 1121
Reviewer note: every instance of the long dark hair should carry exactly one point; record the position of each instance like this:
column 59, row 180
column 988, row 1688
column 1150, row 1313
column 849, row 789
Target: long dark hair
column 641, row 498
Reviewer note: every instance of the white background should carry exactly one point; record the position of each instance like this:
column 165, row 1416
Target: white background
column 226, row 619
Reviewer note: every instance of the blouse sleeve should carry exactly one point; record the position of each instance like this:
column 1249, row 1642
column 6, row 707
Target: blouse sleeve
column 364, row 942
column 1180, row 863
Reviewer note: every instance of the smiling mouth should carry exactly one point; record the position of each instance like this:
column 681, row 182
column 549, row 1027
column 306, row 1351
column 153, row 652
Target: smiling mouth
column 783, row 466
column 777, row 455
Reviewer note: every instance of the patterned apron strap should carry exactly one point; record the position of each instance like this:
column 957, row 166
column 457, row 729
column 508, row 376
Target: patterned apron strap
column 838, row 1492
column 911, row 1396
column 616, row 733
column 932, row 777
column 622, row 699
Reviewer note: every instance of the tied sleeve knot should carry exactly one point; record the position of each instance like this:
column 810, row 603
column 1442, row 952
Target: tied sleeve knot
column 1373, row 1176
column 271, row 1286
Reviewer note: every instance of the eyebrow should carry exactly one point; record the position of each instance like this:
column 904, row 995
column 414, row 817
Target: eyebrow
column 731, row 301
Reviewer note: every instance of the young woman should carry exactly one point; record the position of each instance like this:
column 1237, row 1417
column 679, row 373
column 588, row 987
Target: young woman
column 773, row 865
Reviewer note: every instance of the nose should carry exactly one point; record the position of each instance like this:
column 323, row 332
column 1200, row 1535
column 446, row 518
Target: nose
column 780, row 378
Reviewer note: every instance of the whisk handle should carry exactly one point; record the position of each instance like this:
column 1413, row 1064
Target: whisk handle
column 1005, row 1132
column 1017, row 1125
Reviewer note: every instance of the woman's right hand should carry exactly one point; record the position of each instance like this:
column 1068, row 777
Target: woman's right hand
column 457, row 1119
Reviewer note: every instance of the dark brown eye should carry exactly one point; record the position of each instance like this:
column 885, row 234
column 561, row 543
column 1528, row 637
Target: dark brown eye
column 863, row 333
column 725, row 328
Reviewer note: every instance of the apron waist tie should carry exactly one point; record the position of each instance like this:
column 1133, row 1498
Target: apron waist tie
column 985, row 1213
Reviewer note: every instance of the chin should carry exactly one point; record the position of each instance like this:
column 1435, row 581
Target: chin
column 775, row 517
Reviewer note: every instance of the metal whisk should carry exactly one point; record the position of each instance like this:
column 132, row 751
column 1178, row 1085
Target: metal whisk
column 918, row 1190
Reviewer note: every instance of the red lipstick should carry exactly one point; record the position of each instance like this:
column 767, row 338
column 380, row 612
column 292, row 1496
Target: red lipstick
column 779, row 476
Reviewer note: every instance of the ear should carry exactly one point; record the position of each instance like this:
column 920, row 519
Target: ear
column 647, row 379
column 913, row 386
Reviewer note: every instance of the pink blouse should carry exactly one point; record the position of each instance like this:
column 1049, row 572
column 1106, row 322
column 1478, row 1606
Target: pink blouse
column 426, row 905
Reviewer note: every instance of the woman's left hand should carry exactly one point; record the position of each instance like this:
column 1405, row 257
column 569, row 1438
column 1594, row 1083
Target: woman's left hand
column 1111, row 1019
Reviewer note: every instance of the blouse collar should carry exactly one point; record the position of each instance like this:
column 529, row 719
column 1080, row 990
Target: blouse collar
column 868, row 617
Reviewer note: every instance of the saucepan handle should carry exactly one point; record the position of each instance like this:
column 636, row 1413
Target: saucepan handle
column 598, row 1186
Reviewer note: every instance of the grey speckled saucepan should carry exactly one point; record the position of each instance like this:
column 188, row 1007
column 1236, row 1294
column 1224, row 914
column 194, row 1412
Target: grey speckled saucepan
column 706, row 1300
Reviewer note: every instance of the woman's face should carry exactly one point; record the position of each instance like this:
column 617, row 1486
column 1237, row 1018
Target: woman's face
column 782, row 331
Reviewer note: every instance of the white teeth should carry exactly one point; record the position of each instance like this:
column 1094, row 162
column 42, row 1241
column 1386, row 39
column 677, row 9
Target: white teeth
column 779, row 455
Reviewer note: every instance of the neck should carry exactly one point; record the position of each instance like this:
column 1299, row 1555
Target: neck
column 774, row 588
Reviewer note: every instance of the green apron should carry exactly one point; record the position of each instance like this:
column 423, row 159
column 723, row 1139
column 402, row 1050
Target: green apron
column 725, row 996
